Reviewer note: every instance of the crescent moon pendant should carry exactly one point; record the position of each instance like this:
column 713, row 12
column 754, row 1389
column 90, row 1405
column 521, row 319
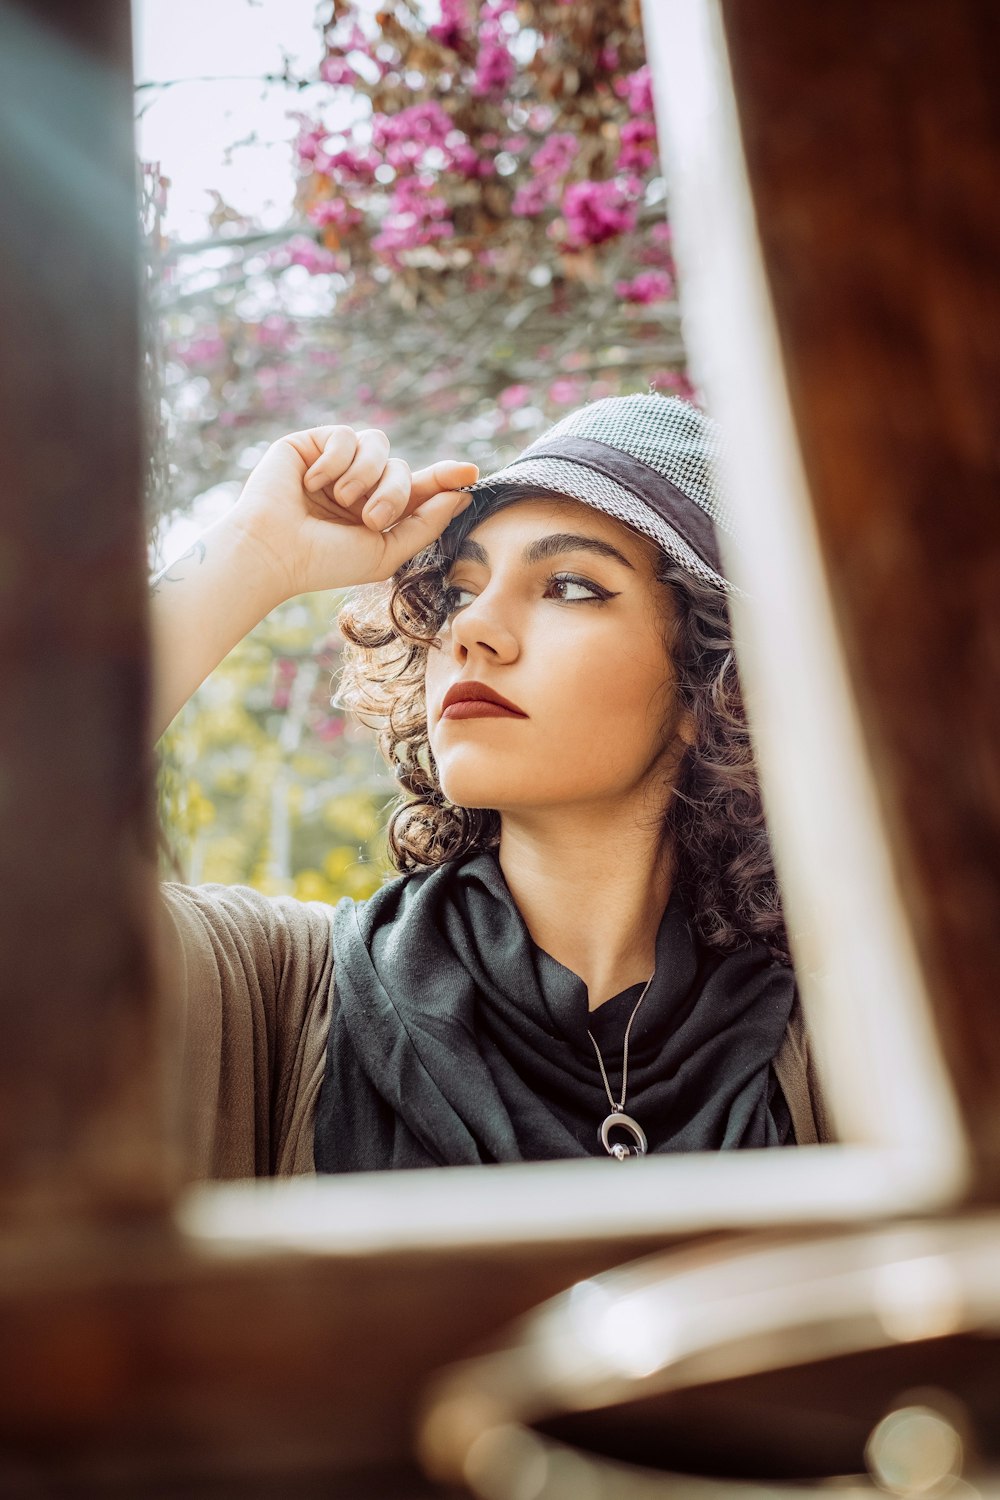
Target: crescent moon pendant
column 618, row 1119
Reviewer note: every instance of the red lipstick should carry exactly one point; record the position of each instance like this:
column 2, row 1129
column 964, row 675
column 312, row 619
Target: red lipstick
column 474, row 700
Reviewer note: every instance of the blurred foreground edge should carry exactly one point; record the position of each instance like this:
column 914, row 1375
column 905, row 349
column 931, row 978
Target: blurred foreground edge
column 276, row 1338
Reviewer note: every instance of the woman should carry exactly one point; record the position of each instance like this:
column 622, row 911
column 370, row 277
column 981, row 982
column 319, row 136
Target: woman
column 585, row 954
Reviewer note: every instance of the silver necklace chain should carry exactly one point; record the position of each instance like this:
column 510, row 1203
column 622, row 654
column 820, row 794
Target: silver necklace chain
column 619, row 1107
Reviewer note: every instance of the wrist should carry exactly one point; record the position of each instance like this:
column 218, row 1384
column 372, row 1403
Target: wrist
column 264, row 578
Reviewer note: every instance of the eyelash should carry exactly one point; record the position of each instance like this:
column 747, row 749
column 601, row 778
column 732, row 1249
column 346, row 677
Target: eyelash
column 599, row 595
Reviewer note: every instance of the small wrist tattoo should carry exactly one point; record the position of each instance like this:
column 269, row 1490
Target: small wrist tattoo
column 166, row 575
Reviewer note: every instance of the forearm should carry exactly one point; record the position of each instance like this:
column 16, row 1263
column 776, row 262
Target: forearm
column 201, row 606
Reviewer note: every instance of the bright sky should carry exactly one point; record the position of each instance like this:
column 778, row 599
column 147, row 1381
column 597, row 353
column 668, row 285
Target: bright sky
column 187, row 128
column 190, row 127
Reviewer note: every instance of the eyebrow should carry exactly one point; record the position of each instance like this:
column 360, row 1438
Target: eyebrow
column 546, row 547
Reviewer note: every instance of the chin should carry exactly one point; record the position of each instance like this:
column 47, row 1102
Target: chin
column 476, row 781
column 476, row 791
column 482, row 787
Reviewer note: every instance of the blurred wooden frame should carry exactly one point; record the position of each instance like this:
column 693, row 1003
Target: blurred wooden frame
column 843, row 312
column 155, row 1332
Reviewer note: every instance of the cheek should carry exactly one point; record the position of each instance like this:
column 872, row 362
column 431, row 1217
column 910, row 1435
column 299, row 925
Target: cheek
column 603, row 717
column 435, row 672
column 624, row 694
column 436, row 678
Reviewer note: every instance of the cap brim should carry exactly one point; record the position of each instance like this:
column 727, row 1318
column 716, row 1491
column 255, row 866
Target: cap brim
column 602, row 493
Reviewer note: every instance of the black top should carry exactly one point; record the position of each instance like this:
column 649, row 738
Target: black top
column 455, row 1039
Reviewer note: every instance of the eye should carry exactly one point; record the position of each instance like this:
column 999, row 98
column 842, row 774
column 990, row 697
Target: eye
column 455, row 598
column 570, row 589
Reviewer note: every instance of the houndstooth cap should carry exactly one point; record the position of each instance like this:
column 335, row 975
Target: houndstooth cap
column 647, row 460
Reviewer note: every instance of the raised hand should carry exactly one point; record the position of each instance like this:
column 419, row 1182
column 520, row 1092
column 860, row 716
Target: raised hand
column 327, row 507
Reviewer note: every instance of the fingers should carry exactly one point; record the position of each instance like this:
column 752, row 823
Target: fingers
column 337, row 445
column 351, row 464
column 387, row 509
column 389, row 498
column 416, row 531
column 356, row 470
column 366, row 469
column 450, row 474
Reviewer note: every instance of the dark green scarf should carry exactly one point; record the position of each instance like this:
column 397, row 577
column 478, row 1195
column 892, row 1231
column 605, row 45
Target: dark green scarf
column 455, row 1040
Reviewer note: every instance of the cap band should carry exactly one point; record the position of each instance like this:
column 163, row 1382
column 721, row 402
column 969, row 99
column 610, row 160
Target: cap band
column 670, row 503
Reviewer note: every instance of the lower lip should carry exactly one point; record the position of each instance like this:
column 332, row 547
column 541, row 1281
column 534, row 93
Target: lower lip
column 475, row 708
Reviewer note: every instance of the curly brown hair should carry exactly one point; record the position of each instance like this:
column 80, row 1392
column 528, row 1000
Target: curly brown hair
column 715, row 824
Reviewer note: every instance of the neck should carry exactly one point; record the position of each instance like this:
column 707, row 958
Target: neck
column 592, row 887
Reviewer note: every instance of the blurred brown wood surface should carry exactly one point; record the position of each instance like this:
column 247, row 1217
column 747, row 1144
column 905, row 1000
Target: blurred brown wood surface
column 131, row 1362
column 872, row 139
column 80, row 1113
column 130, row 1359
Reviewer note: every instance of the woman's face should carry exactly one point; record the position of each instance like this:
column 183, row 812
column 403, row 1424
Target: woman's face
column 555, row 607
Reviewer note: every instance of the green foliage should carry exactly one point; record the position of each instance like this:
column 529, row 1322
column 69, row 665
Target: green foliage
column 261, row 782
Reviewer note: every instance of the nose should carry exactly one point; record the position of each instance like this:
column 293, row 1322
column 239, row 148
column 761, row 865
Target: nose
column 482, row 627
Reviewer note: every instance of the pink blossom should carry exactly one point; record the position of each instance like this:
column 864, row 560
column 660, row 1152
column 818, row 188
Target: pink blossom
column 285, row 673
column 337, row 70
column 453, row 28
column 531, row 199
column 465, row 160
column 426, row 123
column 637, row 89
column 318, row 261
column 268, row 378
column 329, row 728
column 405, row 137
column 595, row 212
column 608, row 58
column 513, row 396
column 494, row 68
column 637, row 154
column 656, row 250
column 203, row 349
column 556, row 156
column 540, row 117
column 350, row 166
column 549, row 164
column 648, row 286
column 565, row 391
column 674, row 381
column 276, row 332
column 334, row 211
column 308, row 144
column 347, row 35
column 416, row 217
column 494, row 64
column 401, row 155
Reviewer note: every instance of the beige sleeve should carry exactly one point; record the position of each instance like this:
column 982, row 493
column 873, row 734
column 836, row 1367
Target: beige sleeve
column 796, row 1072
column 247, row 981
